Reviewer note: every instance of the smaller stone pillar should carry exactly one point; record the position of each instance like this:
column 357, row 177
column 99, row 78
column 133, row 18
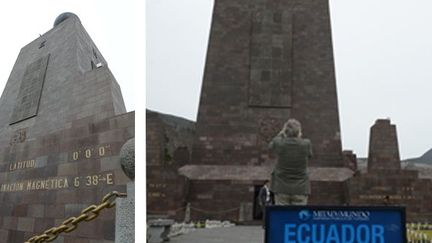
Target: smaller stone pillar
column 383, row 146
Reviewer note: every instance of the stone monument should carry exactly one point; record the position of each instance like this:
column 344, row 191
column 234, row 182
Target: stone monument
column 62, row 124
column 267, row 61
column 383, row 146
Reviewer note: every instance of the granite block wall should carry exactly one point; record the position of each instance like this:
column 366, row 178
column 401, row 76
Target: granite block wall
column 53, row 177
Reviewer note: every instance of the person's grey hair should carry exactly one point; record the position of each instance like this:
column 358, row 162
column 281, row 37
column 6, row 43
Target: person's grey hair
column 291, row 128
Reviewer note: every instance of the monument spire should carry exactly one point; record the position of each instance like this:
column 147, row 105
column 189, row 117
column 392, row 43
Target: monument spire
column 59, row 77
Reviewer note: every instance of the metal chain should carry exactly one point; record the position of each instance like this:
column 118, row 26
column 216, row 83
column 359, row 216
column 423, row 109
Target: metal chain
column 215, row 212
column 163, row 212
column 71, row 223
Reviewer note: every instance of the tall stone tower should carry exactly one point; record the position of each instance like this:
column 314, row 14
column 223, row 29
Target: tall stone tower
column 62, row 124
column 267, row 61
column 57, row 78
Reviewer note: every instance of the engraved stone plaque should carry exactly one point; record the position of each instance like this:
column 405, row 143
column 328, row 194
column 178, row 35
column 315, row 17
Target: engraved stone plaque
column 271, row 59
column 29, row 94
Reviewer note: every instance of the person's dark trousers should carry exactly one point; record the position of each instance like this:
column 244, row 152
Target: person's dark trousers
column 263, row 208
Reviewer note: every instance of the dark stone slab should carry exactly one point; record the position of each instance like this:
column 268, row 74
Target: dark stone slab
column 271, row 58
column 30, row 91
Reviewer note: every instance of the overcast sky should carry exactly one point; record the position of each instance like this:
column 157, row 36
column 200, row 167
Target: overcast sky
column 108, row 22
column 383, row 59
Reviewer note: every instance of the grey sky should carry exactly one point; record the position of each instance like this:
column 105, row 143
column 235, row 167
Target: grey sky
column 383, row 59
column 110, row 24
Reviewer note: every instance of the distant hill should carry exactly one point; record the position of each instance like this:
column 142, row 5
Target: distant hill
column 426, row 158
column 424, row 169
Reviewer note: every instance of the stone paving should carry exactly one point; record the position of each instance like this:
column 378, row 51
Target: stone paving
column 237, row 234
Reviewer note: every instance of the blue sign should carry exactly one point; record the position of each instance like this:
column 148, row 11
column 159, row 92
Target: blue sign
column 314, row 224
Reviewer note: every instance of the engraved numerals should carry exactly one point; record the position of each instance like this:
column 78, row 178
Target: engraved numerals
column 94, row 180
column 89, row 153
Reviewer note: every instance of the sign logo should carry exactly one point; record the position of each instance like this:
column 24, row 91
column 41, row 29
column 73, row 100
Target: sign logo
column 341, row 215
column 320, row 224
column 305, row 215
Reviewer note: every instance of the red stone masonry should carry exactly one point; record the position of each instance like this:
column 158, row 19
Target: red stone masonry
column 267, row 61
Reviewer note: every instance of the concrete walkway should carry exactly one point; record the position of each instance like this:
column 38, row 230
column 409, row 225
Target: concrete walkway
column 236, row 234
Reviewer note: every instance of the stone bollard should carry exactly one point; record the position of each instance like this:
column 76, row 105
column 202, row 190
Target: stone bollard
column 187, row 217
column 125, row 207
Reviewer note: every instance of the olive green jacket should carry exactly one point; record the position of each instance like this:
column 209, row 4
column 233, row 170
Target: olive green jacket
column 290, row 174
